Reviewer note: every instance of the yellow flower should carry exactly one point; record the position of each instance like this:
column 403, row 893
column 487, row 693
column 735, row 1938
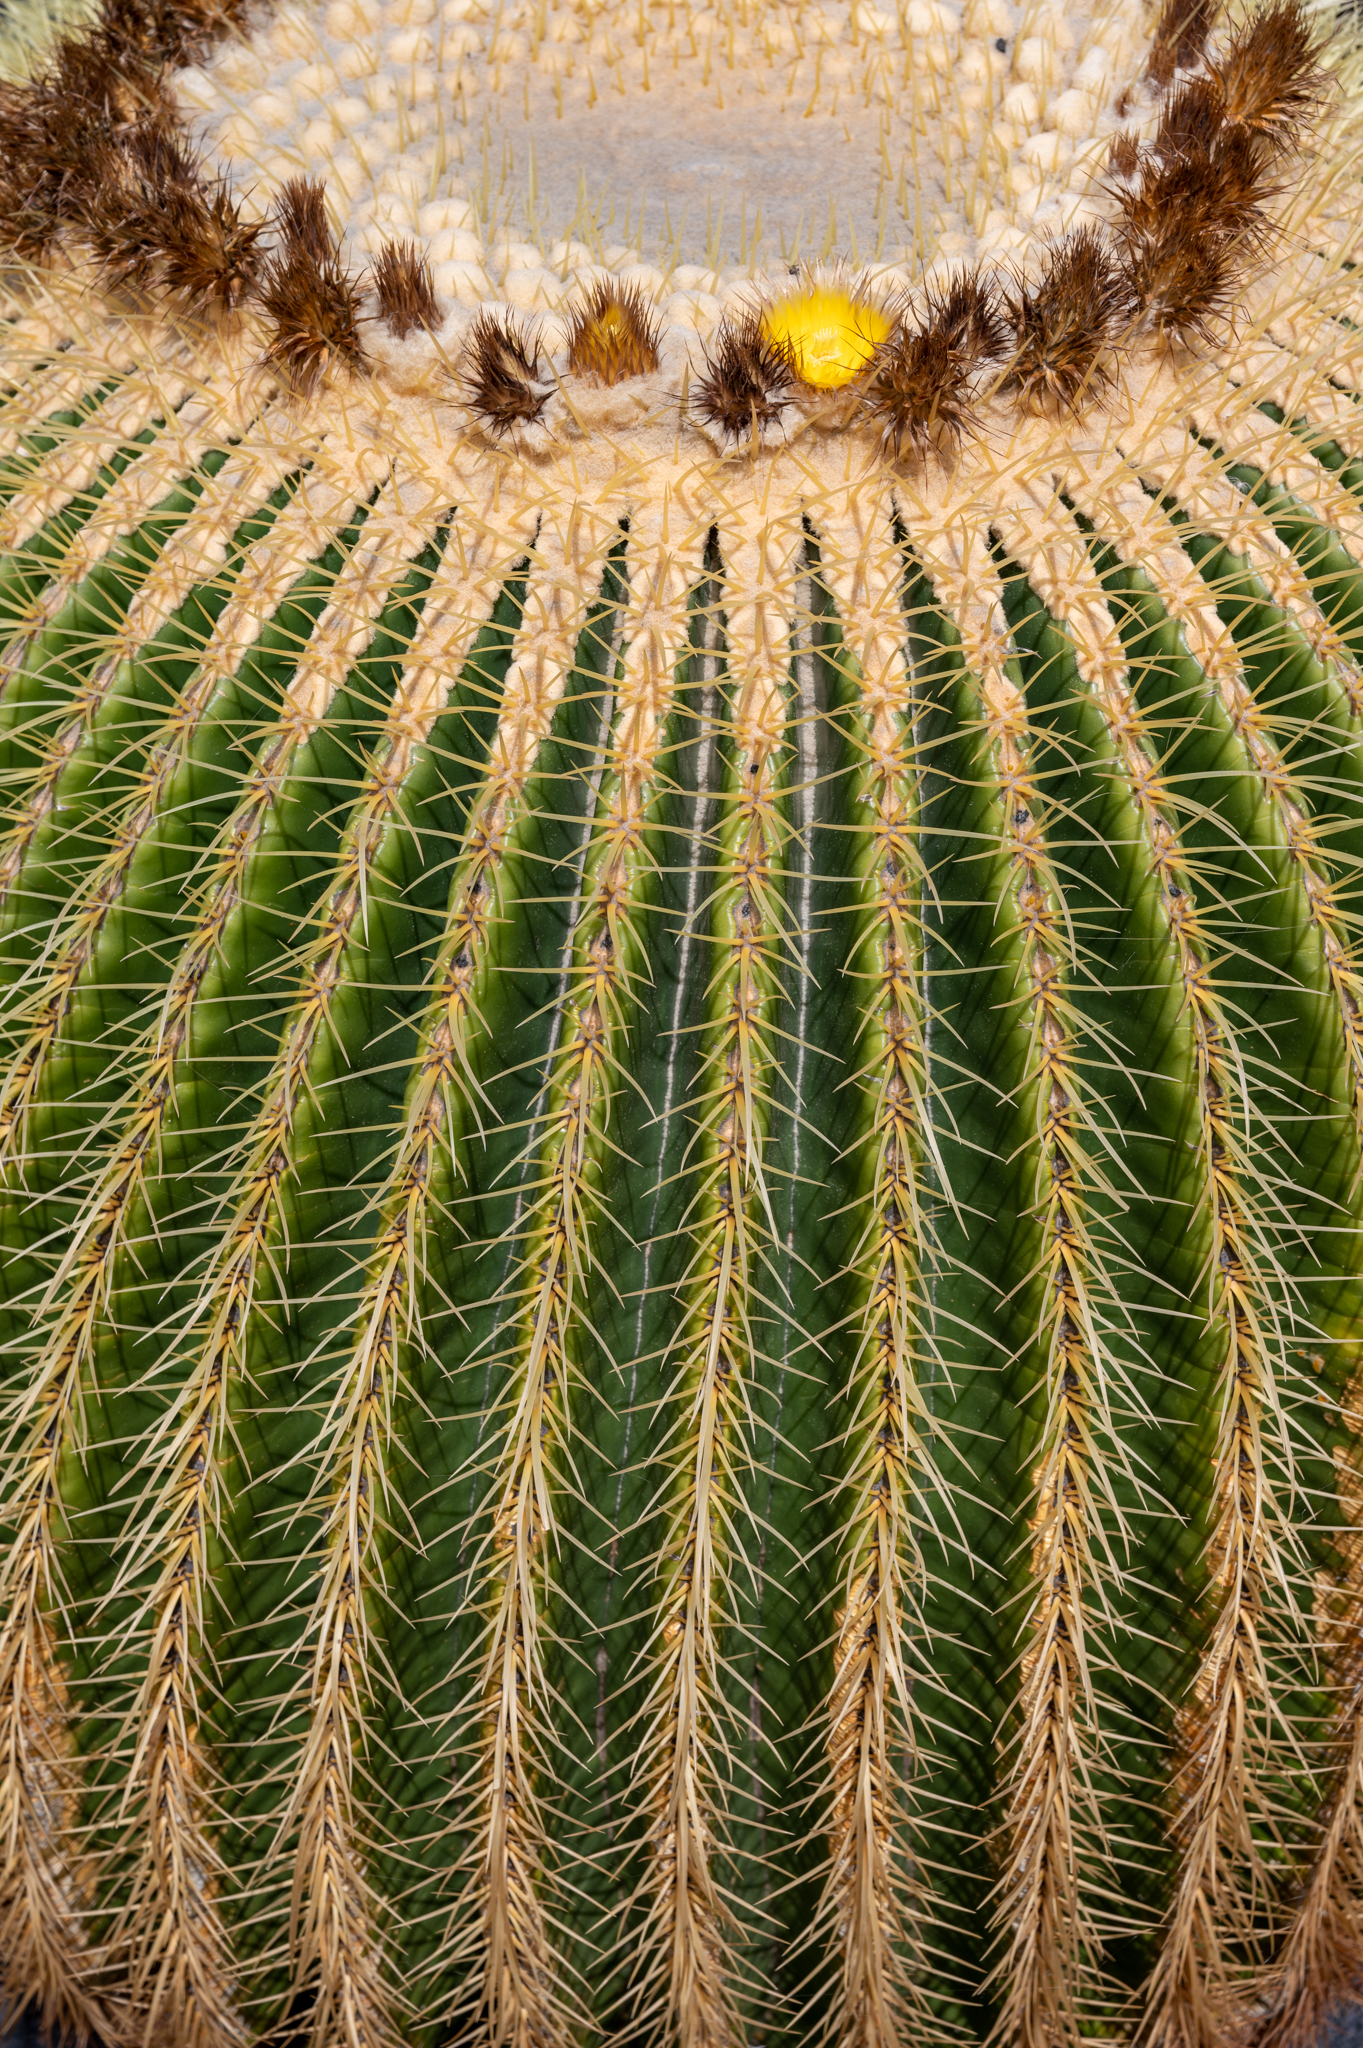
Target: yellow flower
column 827, row 336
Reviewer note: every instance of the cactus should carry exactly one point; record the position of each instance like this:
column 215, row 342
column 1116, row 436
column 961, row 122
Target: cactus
column 681, row 1044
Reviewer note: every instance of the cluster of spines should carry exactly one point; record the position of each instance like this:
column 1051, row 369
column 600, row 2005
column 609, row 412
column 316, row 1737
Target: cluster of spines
column 1224, row 1729
column 873, row 1893
column 685, row 1965
column 507, row 1914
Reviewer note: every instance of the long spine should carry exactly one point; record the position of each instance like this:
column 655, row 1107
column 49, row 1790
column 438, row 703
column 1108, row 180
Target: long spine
column 1220, row 1869
column 872, row 1901
column 685, row 1986
column 1054, row 1873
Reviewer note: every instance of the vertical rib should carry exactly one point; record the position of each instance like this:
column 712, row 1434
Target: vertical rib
column 334, row 1924
column 1056, row 1855
column 1220, row 1873
column 872, row 1903
column 684, row 1980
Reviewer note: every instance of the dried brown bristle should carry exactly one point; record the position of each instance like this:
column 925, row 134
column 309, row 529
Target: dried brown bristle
column 614, row 335
column 312, row 300
column 404, row 290
column 503, row 376
column 1270, row 77
column 746, row 383
column 210, row 256
column 1180, row 38
column 301, row 217
column 1123, row 156
column 160, row 32
column 54, row 130
column 1194, row 214
column 1191, row 120
column 152, row 222
column 1066, row 324
column 924, row 376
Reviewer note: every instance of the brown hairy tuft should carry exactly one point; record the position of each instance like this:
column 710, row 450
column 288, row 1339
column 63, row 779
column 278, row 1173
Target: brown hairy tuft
column 301, row 217
column 746, row 383
column 165, row 32
column 102, row 85
column 1270, row 77
column 1123, row 156
column 1065, row 324
column 614, row 335
column 1180, row 38
column 1191, row 120
column 54, row 132
column 152, row 222
column 503, row 375
column 924, row 376
column 210, row 256
column 403, row 287
column 312, row 300
column 1193, row 213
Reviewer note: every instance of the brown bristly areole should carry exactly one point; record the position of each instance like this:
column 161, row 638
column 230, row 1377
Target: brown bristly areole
column 613, row 335
column 403, row 288
column 154, row 224
column 502, row 373
column 745, row 387
column 312, row 301
column 925, row 376
column 1180, row 37
column 1270, row 78
column 1066, row 324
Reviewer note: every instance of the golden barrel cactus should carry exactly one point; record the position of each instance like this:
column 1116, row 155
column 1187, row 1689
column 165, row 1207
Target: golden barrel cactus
column 681, row 1024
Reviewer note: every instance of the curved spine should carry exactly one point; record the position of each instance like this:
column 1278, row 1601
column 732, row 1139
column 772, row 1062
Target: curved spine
column 684, row 1977
column 82, row 451
column 519, row 1996
column 872, row 1904
column 1187, row 598
column 204, row 422
column 1189, row 1988
column 1045, row 1907
column 1220, row 508
column 56, row 385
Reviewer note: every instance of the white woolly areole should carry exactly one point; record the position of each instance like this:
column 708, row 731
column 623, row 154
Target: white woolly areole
column 679, row 147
